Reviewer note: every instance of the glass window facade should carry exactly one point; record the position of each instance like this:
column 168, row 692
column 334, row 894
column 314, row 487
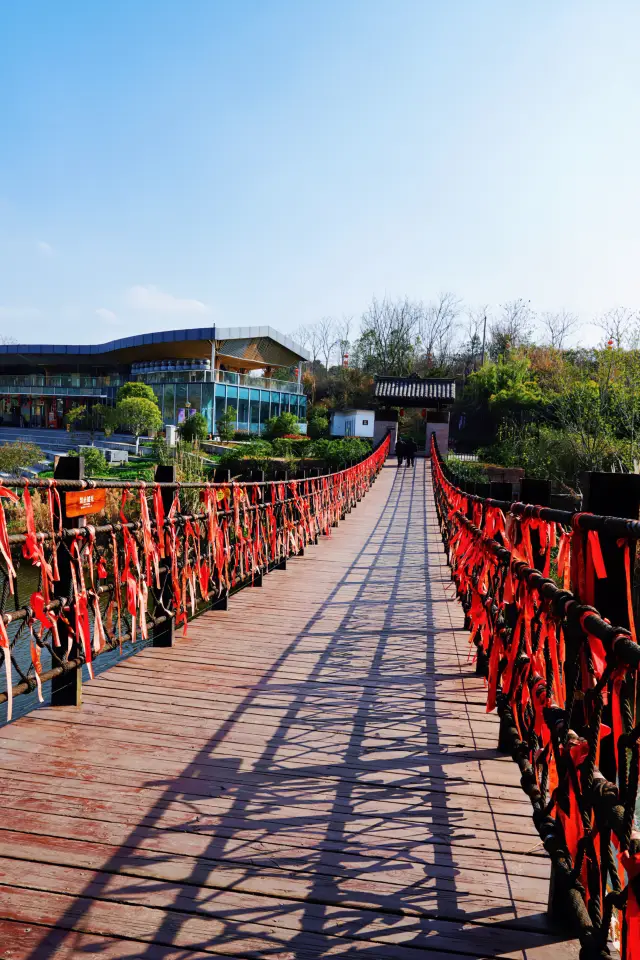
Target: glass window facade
column 243, row 410
column 253, row 407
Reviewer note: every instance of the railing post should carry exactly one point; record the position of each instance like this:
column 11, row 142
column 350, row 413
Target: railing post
column 535, row 491
column 501, row 490
column 164, row 633
column 612, row 495
column 482, row 489
column 66, row 689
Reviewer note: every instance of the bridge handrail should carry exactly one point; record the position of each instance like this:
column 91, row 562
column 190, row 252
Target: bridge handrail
column 564, row 683
column 614, row 526
column 178, row 548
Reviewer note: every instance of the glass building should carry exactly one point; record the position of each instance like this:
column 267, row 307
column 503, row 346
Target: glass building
column 254, row 370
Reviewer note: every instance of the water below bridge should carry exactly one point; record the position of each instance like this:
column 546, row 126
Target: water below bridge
column 310, row 774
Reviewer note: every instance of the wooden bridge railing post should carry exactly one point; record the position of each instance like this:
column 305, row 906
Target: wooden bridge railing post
column 500, row 490
column 66, row 689
column 164, row 633
column 613, row 495
column 535, row 491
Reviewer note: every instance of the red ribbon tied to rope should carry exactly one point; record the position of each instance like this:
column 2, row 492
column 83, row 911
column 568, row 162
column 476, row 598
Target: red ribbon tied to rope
column 5, row 549
column 631, row 863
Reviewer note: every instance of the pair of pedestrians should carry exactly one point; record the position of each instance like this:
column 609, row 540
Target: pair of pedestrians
column 406, row 449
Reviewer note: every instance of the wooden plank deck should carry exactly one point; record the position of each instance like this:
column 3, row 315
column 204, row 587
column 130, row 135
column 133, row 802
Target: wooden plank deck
column 311, row 774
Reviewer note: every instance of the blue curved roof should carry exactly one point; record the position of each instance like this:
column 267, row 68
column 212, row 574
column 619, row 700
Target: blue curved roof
column 124, row 343
column 198, row 338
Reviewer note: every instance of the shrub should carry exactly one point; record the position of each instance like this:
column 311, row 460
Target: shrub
column 18, row 456
column 254, row 455
column 338, row 453
column 284, row 425
column 15, row 513
column 318, row 423
column 161, row 452
column 318, row 428
column 291, row 447
column 466, row 469
column 194, row 427
column 95, row 464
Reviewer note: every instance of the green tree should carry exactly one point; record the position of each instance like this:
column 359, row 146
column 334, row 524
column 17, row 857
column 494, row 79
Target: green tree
column 318, row 423
column 194, row 427
column 226, row 424
column 75, row 415
column 142, row 391
column 105, row 417
column 139, row 416
column 286, row 423
column 19, row 456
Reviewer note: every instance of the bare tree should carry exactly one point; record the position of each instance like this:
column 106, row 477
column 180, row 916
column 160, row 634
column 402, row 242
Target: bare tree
column 301, row 336
column 343, row 329
column 314, row 344
column 557, row 327
column 619, row 325
column 438, row 326
column 513, row 328
column 8, row 341
column 387, row 342
column 473, row 333
column 326, row 328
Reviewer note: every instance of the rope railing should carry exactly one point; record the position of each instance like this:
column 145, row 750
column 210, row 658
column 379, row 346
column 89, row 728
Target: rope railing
column 564, row 682
column 69, row 594
column 572, row 519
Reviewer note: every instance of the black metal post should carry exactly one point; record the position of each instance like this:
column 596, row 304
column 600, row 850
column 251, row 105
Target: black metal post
column 164, row 633
column 613, row 495
column 66, row 689
column 535, row 491
column 501, row 490
column 617, row 495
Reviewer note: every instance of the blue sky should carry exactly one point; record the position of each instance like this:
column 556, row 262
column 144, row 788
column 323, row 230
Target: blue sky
column 232, row 161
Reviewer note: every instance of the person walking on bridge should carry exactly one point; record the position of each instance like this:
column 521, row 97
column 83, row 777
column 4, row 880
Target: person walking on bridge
column 410, row 450
column 400, row 450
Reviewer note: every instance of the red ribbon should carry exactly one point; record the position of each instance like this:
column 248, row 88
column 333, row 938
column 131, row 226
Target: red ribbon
column 631, row 863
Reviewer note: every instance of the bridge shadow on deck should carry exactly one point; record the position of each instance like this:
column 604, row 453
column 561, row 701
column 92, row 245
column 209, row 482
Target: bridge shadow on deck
column 392, row 883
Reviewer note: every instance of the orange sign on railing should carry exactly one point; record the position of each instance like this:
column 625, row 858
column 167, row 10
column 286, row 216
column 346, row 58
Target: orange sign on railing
column 82, row 503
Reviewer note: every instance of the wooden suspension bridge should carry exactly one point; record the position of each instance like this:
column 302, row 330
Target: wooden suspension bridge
column 311, row 773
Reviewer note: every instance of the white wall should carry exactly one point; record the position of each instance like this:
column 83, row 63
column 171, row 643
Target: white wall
column 441, row 431
column 353, row 423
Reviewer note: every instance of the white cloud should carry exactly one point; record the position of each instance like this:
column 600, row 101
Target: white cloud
column 152, row 298
column 45, row 248
column 19, row 313
column 107, row 315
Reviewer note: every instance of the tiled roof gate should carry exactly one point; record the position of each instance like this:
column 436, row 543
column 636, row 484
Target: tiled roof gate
column 415, row 388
